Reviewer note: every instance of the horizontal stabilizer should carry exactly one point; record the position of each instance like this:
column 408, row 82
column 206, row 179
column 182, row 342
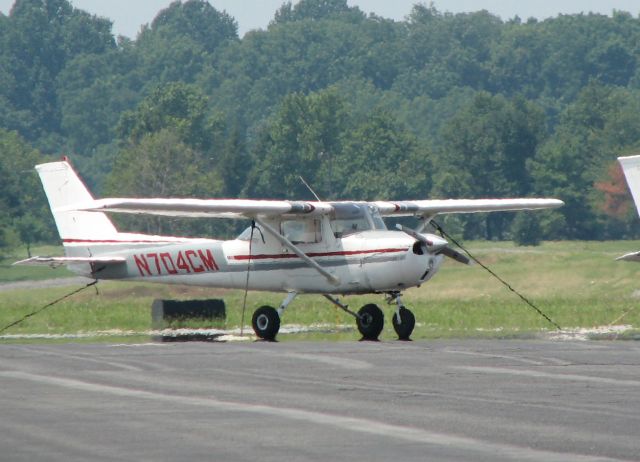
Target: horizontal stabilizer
column 633, row 256
column 57, row 261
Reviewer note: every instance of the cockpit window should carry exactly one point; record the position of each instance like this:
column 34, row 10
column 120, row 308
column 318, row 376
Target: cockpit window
column 378, row 222
column 354, row 218
column 345, row 227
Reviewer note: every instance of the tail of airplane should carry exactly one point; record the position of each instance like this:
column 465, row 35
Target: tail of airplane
column 64, row 188
column 83, row 234
column 91, row 241
column 631, row 169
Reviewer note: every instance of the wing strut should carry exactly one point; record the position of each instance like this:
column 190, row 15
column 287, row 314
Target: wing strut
column 289, row 245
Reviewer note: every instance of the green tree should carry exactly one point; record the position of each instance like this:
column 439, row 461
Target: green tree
column 40, row 37
column 235, row 163
column 473, row 94
column 600, row 125
column 302, row 139
column 160, row 164
column 525, row 229
column 93, row 94
column 178, row 106
column 486, row 147
column 24, row 214
column 197, row 20
column 443, row 51
column 315, row 10
column 171, row 147
column 382, row 160
column 180, row 43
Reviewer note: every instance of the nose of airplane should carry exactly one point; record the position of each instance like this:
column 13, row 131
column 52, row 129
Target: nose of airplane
column 431, row 242
column 435, row 243
column 439, row 245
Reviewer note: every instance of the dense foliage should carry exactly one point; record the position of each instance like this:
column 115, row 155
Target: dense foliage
column 438, row 105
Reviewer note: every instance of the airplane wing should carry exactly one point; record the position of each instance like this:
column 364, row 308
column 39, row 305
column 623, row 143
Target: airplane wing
column 250, row 208
column 213, row 208
column 57, row 261
column 439, row 206
column 633, row 256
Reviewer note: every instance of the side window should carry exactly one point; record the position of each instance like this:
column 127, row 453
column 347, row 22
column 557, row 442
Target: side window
column 246, row 234
column 301, row 231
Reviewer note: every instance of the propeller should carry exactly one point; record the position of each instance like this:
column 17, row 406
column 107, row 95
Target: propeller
column 435, row 244
column 457, row 256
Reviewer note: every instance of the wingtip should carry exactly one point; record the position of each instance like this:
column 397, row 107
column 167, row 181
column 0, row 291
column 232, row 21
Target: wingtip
column 633, row 256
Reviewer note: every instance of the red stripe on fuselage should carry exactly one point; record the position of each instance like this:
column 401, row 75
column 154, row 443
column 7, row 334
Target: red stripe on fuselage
column 314, row 254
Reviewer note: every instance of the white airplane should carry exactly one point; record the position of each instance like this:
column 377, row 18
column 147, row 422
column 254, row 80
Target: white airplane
column 631, row 169
column 328, row 248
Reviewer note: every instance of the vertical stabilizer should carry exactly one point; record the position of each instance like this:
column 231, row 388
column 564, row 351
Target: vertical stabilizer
column 64, row 188
column 631, row 169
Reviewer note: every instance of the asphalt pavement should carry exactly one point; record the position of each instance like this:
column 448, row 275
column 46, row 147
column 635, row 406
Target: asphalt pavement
column 455, row 400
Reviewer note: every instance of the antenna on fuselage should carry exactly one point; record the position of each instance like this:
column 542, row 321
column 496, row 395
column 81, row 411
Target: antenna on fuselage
column 309, row 188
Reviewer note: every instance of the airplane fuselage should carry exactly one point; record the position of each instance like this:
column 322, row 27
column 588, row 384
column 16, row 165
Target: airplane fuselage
column 369, row 261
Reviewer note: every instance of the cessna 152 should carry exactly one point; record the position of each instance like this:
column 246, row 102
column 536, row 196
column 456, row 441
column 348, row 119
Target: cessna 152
column 631, row 169
column 328, row 248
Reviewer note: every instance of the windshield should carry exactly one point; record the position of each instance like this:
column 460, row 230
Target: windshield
column 376, row 218
column 348, row 219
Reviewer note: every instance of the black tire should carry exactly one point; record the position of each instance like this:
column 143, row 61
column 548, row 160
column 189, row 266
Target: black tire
column 370, row 321
column 404, row 328
column 266, row 322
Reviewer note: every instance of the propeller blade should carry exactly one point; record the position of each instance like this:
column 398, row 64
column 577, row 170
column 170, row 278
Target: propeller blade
column 457, row 256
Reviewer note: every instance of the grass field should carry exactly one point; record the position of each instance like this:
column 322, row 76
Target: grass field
column 577, row 284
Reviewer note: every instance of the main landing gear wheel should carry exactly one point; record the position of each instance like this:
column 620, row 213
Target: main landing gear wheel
column 404, row 328
column 370, row 321
column 266, row 322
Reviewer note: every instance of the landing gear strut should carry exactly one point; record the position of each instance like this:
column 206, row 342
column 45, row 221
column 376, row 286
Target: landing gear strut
column 403, row 319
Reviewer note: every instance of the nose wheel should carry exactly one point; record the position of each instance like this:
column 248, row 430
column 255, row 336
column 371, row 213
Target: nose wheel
column 370, row 318
column 403, row 323
column 403, row 319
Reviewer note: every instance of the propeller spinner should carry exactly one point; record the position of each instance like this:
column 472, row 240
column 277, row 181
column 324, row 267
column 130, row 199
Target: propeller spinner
column 435, row 244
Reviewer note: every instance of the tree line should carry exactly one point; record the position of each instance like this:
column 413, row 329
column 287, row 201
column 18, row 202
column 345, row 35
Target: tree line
column 438, row 105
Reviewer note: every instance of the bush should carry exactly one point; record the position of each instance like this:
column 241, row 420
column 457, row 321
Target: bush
column 525, row 229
